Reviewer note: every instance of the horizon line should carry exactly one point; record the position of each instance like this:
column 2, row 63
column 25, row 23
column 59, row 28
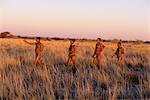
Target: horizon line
column 61, row 37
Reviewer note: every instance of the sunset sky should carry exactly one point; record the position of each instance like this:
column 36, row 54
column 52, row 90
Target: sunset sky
column 109, row 19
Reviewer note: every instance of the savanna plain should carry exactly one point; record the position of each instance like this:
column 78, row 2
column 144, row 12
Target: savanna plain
column 84, row 81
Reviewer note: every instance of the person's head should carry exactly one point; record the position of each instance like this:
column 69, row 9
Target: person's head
column 119, row 44
column 38, row 39
column 72, row 41
column 99, row 39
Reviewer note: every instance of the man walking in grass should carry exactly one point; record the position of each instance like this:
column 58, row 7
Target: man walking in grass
column 72, row 53
column 38, row 51
column 119, row 53
column 98, row 52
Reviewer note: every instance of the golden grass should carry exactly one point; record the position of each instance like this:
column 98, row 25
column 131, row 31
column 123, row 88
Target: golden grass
column 19, row 81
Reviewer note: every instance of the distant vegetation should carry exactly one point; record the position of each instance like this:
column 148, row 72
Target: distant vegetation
column 6, row 35
column 9, row 35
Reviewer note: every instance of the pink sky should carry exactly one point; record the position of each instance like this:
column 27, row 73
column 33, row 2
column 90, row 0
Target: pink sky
column 109, row 19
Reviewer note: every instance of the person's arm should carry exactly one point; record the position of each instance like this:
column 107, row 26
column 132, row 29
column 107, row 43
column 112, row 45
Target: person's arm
column 33, row 43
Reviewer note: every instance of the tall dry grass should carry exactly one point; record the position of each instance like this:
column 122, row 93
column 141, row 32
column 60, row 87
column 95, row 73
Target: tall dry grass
column 83, row 81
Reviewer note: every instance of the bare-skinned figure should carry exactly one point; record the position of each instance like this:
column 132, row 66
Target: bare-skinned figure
column 72, row 53
column 98, row 52
column 38, row 51
column 119, row 53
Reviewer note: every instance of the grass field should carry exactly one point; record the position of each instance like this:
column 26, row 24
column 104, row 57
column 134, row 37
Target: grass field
column 82, row 82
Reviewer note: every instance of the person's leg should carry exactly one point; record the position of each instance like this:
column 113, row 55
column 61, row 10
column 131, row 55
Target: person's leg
column 37, row 57
column 99, row 61
column 69, row 61
column 68, row 64
column 121, row 63
column 118, row 63
column 118, row 60
column 39, row 63
column 74, row 67
column 42, row 61
column 73, row 58
column 35, row 62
